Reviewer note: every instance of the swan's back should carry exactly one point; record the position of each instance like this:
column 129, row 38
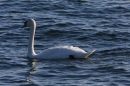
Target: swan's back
column 60, row 52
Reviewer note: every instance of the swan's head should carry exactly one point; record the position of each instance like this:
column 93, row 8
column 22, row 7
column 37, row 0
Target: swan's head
column 30, row 22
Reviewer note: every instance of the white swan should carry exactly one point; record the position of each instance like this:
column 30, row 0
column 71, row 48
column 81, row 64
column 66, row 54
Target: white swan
column 58, row 52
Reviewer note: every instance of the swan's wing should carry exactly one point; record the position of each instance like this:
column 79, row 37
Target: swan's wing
column 60, row 52
column 89, row 53
column 63, row 52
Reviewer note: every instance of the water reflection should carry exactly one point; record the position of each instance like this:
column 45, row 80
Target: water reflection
column 31, row 63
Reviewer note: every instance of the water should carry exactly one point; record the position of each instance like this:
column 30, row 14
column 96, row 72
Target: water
column 89, row 24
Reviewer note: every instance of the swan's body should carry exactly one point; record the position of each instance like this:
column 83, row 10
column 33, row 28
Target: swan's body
column 58, row 52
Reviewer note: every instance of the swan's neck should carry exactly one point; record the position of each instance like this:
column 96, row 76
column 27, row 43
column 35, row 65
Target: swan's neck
column 31, row 51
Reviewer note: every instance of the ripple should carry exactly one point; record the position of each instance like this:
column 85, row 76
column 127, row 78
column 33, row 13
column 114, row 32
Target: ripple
column 84, row 23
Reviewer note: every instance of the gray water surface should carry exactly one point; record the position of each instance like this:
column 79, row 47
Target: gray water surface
column 89, row 24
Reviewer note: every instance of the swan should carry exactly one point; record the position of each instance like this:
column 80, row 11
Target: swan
column 57, row 52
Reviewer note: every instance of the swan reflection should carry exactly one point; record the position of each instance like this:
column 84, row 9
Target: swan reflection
column 31, row 63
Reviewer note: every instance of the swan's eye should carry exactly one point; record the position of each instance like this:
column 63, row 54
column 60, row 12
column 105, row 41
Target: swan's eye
column 25, row 24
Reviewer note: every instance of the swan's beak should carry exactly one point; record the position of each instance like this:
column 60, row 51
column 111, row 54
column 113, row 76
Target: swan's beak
column 25, row 24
